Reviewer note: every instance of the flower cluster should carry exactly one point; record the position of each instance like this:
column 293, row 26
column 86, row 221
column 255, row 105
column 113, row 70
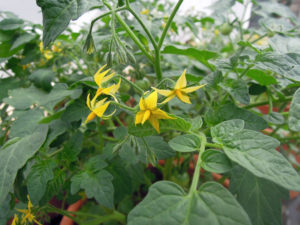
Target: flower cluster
column 98, row 108
column 48, row 54
column 27, row 215
column 148, row 106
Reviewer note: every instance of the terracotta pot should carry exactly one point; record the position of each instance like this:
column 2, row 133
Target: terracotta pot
column 72, row 208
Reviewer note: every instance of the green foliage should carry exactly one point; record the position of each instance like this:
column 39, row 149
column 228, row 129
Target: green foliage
column 246, row 110
column 58, row 14
column 167, row 203
column 252, row 191
column 15, row 156
column 256, row 153
column 95, row 181
column 294, row 117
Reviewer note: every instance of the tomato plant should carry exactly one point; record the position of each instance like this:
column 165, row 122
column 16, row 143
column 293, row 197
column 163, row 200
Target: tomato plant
column 149, row 116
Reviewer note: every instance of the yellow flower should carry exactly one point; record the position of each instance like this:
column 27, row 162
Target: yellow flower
column 180, row 90
column 100, row 78
column 27, row 214
column 56, row 47
column 217, row 32
column 145, row 12
column 47, row 53
column 97, row 108
column 149, row 111
column 15, row 220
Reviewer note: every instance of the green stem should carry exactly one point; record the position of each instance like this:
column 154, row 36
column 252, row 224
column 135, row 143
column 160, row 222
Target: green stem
column 56, row 152
column 140, row 90
column 164, row 33
column 164, row 80
column 270, row 102
column 213, row 145
column 142, row 25
column 101, row 142
column 53, row 209
column 103, row 15
column 131, row 34
column 124, row 106
column 157, row 65
column 110, row 138
column 196, row 175
column 287, row 99
column 257, row 39
column 246, row 70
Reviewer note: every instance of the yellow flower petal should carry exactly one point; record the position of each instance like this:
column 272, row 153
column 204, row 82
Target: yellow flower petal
column 159, row 114
column 163, row 92
column 115, row 87
column 168, row 98
column 15, row 220
column 99, row 103
column 142, row 104
column 181, row 82
column 192, row 89
column 183, row 97
column 107, row 78
column 139, row 117
column 151, row 101
column 146, row 116
column 154, row 122
column 99, row 76
column 37, row 222
column 101, row 109
column 90, row 117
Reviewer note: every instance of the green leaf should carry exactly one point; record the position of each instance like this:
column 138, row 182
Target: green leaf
column 72, row 148
column 200, row 55
column 76, row 111
column 26, row 123
column 178, row 124
column 56, row 128
column 96, row 182
column 158, row 146
column 23, row 98
column 255, row 152
column 185, row 143
column 275, row 118
column 15, row 156
column 7, row 84
column 132, row 151
column 215, row 161
column 40, row 173
column 260, row 198
column 230, row 111
column 57, row 15
column 22, row 39
column 54, row 186
column 287, row 65
column 42, row 78
column 167, row 203
column 248, row 44
column 238, row 89
column 261, row 77
column 294, row 114
column 212, row 79
column 196, row 122
column 11, row 24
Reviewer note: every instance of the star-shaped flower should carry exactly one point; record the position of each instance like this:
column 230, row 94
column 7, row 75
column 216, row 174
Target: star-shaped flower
column 100, row 78
column 97, row 108
column 149, row 111
column 180, row 90
column 27, row 214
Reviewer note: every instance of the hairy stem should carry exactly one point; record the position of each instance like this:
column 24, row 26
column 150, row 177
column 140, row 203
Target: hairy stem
column 196, row 175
